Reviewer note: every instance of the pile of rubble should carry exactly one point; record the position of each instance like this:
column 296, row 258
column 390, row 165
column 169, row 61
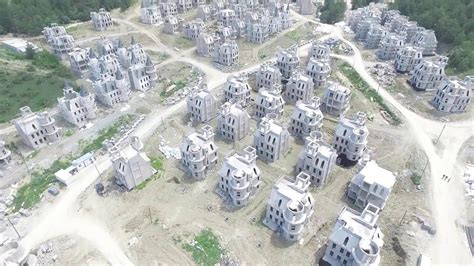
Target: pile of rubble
column 125, row 133
column 168, row 151
column 384, row 74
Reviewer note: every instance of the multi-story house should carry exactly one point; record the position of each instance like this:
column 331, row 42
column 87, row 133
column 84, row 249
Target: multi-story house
column 425, row 39
column 151, row 15
column 79, row 61
column 299, row 88
column 193, row 29
column 407, row 58
column 225, row 17
column 316, row 159
column 171, row 25
column 268, row 76
column 350, row 140
column 238, row 89
column 319, row 51
column 227, row 53
column 36, row 129
column 389, row 46
column 143, row 77
column 290, row 206
column 239, row 177
column 199, row 153
column 77, row 108
column 168, row 9
column 5, row 154
column 375, row 35
column 233, row 122
column 427, row 75
column 453, row 96
column 336, row 99
column 306, row 118
column 184, row 5
column 112, row 90
column 201, row 105
column 101, row 20
column 371, row 185
column 269, row 101
column 355, row 239
column 287, row 62
column 132, row 166
column 204, row 12
column 319, row 71
column 205, row 45
column 271, row 139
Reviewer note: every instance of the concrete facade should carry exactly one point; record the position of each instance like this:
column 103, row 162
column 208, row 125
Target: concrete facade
column 316, row 159
column 233, row 122
column 355, row 239
column 151, row 15
column 168, row 9
column 132, row 166
column 184, row 5
column 193, row 29
column 454, row 96
column 271, row 139
column 375, row 35
column 113, row 90
column 60, row 41
column 171, row 25
column 240, row 177
column 425, row 39
column 101, row 20
column 237, row 89
column 269, row 101
column 225, row 17
column 407, row 58
column 299, row 88
column 205, row 45
column 36, row 129
column 268, row 76
column 227, row 53
column 371, row 185
column 204, row 12
column 319, row 71
column 427, row 75
column 77, row 108
column 305, row 7
column 79, row 61
column 336, row 99
column 320, row 51
column 287, row 62
column 306, row 118
column 199, row 153
column 290, row 207
column 5, row 154
column 201, row 105
column 143, row 77
column 350, row 138
column 389, row 46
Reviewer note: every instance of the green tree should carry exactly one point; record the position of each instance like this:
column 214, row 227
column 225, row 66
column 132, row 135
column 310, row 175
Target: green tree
column 333, row 11
column 30, row 52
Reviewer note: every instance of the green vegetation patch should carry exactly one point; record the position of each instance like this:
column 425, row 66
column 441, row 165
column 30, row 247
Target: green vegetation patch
column 33, row 82
column 175, row 41
column 29, row 194
column 107, row 133
column 205, row 248
column 416, row 179
column 156, row 163
column 368, row 92
column 333, row 11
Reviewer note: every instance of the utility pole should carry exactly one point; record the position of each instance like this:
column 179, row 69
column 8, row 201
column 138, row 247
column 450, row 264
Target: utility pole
column 444, row 126
column 14, row 228
column 424, row 168
column 403, row 217
column 149, row 213
column 97, row 169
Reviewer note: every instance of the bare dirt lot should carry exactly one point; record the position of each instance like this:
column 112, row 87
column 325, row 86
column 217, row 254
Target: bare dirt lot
column 169, row 211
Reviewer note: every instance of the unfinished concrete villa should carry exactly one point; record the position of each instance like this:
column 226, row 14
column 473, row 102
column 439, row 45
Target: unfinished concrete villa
column 271, row 139
column 269, row 101
column 306, row 118
column 287, row 62
column 5, row 154
column 290, row 207
column 428, row 74
column 299, row 88
column 336, row 99
column 77, row 108
column 350, row 138
column 112, row 90
column 371, row 185
column 239, row 177
column 454, row 96
column 267, row 76
column 201, row 105
column 132, row 166
column 198, row 153
column 36, row 129
column 233, row 122
column 407, row 58
column 101, row 20
column 60, row 41
column 355, row 239
column 316, row 159
column 319, row 71
column 237, row 89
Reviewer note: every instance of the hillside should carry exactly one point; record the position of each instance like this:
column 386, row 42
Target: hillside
column 453, row 22
column 30, row 16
